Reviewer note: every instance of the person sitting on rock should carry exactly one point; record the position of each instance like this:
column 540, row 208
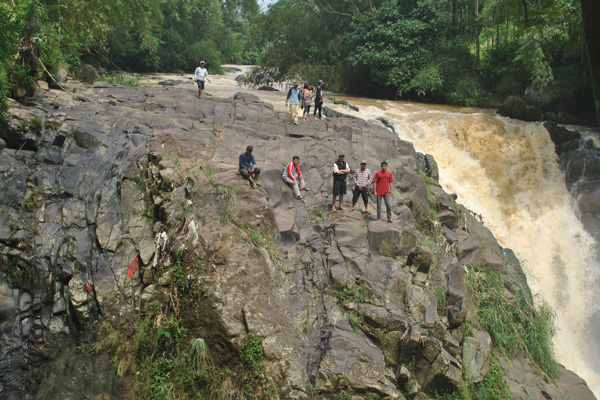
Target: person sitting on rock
column 340, row 172
column 248, row 168
column 292, row 176
column 382, row 186
column 362, row 180
column 201, row 75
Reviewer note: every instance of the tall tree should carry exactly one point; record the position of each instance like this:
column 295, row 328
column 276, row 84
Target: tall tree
column 590, row 15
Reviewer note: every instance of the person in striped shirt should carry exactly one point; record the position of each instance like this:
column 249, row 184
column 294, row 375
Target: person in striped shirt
column 293, row 178
column 362, row 180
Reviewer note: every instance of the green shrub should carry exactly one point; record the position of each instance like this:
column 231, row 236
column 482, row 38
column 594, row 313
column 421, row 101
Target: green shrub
column 122, row 79
column 515, row 324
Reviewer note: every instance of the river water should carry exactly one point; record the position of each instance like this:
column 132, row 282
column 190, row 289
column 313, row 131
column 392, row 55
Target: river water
column 507, row 171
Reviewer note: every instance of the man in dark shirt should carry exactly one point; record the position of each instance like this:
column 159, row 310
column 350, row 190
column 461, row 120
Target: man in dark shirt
column 319, row 100
column 248, row 168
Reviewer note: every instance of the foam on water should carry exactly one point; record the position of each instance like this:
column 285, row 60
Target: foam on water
column 507, row 171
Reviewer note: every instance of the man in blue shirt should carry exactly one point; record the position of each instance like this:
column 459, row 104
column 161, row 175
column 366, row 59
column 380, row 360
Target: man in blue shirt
column 293, row 97
column 248, row 168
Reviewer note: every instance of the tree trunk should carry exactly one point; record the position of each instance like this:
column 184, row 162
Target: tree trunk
column 477, row 30
column 590, row 17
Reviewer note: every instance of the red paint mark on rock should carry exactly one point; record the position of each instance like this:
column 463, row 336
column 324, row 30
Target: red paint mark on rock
column 133, row 267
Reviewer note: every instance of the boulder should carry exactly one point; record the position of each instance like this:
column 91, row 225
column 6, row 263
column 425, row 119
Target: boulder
column 456, row 313
column 516, row 107
column 392, row 239
column 231, row 69
column 88, row 73
column 9, row 308
column 560, row 134
column 421, row 259
column 288, row 230
column 476, row 356
column 351, row 360
column 556, row 96
column 43, row 85
column 268, row 88
column 61, row 75
column 437, row 369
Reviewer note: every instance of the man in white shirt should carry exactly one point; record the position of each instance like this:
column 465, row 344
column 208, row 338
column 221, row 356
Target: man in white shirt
column 200, row 76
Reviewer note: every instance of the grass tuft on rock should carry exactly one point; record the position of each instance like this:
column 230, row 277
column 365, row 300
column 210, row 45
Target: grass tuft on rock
column 517, row 326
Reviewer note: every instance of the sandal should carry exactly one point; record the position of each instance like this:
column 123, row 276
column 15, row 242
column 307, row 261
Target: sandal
column 301, row 199
column 304, row 188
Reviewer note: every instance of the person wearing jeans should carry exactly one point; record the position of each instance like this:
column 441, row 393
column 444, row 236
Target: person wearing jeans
column 362, row 180
column 382, row 186
column 319, row 100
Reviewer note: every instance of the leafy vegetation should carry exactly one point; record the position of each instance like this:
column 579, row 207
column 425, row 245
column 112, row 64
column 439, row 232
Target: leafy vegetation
column 468, row 52
column 516, row 325
column 122, row 79
column 38, row 37
column 493, row 387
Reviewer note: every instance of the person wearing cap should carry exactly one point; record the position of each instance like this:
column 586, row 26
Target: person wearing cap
column 340, row 171
column 200, row 76
column 362, row 181
column 382, row 186
column 293, row 97
column 292, row 176
column 319, row 100
column 248, row 168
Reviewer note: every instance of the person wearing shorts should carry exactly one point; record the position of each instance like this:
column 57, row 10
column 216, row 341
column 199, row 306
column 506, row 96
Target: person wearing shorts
column 340, row 172
column 201, row 75
column 362, row 180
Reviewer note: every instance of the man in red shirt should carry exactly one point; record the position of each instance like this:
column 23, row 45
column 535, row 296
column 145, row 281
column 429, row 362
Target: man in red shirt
column 382, row 186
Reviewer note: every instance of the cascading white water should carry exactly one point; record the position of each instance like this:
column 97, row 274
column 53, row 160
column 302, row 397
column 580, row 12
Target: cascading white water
column 506, row 171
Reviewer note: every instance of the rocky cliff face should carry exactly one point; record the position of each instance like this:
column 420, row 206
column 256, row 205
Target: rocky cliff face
column 124, row 199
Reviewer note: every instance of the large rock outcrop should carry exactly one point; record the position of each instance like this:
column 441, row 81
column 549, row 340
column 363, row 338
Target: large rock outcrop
column 105, row 183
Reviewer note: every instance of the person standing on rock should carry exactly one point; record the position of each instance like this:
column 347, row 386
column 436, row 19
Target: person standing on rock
column 362, row 180
column 200, row 76
column 293, row 97
column 319, row 100
column 309, row 94
column 340, row 171
column 292, row 176
column 382, row 186
column 248, row 168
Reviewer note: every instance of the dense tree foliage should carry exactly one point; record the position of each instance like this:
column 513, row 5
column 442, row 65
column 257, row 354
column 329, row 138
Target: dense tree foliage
column 37, row 36
column 470, row 52
column 457, row 51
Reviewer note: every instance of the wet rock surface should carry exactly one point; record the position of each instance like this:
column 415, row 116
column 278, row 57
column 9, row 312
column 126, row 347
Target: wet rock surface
column 579, row 159
column 350, row 302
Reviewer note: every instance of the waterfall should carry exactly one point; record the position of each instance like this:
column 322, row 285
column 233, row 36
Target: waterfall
column 508, row 172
